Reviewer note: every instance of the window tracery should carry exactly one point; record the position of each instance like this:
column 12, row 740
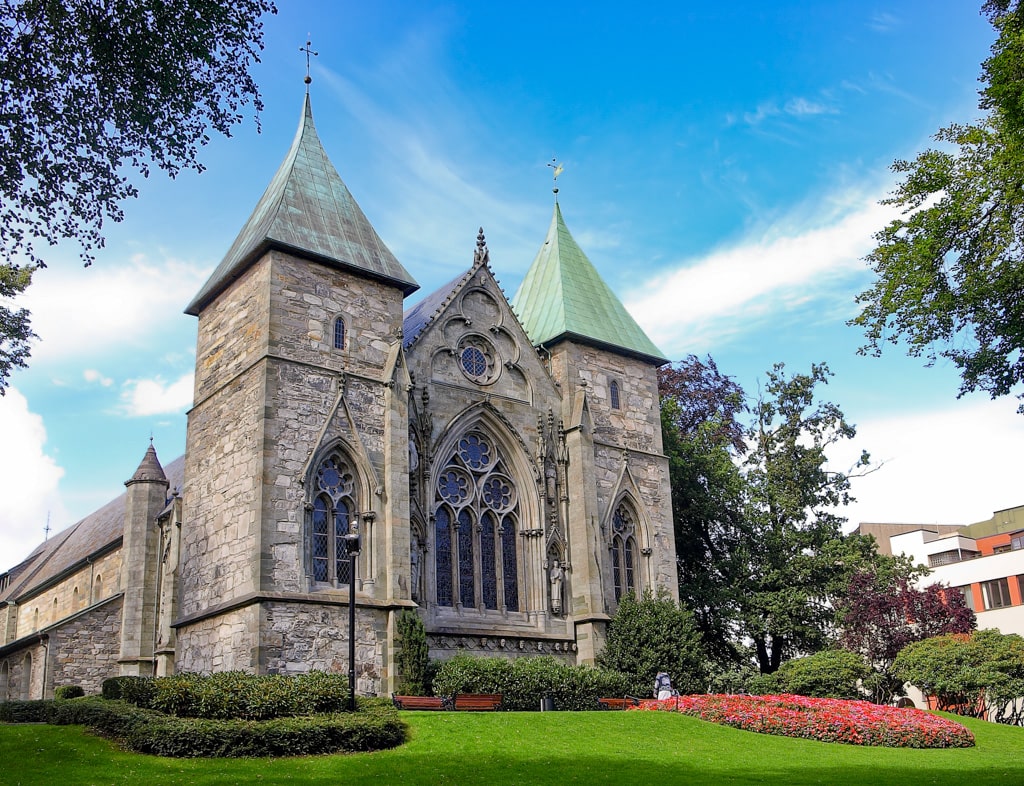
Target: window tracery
column 624, row 551
column 476, row 517
column 333, row 517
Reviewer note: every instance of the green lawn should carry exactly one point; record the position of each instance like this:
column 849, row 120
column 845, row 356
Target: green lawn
column 523, row 748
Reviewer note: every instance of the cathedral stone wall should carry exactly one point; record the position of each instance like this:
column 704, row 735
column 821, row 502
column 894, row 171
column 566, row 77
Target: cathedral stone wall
column 226, row 642
column 84, row 650
column 305, row 637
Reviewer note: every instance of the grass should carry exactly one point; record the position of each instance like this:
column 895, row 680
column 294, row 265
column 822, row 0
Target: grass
column 525, row 748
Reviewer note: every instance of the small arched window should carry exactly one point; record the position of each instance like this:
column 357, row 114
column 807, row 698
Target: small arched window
column 334, row 514
column 97, row 589
column 339, row 333
column 613, row 394
column 624, row 551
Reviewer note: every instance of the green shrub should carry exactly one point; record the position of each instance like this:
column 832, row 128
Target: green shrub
column 139, row 691
column 524, row 682
column 111, row 688
column 413, row 655
column 829, row 674
column 653, row 634
column 374, row 727
column 68, row 692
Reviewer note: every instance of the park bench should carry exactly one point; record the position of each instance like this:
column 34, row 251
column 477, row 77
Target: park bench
column 421, row 702
column 618, row 704
column 477, row 701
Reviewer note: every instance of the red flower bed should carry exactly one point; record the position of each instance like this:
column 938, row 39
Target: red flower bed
column 828, row 720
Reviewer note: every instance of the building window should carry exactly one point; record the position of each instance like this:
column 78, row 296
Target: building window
column 951, row 557
column 1001, row 549
column 334, row 517
column 997, row 593
column 97, row 589
column 1017, row 542
column 339, row 333
column 624, row 551
column 476, row 518
column 968, row 596
column 5, row 676
column 613, row 393
column 477, row 360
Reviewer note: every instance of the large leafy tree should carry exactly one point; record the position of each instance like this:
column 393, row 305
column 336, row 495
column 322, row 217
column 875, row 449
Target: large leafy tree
column 795, row 558
column 93, row 94
column 703, row 436
column 949, row 272
column 882, row 611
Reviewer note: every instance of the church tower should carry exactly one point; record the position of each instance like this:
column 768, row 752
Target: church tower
column 620, row 511
column 297, row 435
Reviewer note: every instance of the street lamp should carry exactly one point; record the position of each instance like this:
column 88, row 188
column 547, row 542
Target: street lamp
column 352, row 549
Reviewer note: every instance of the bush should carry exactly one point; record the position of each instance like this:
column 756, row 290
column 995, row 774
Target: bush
column 524, row 682
column 237, row 694
column 829, row 674
column 653, row 634
column 376, row 726
column 68, row 692
column 412, row 658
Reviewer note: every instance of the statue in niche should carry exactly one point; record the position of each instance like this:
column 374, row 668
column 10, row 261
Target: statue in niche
column 415, row 566
column 556, row 577
column 549, row 479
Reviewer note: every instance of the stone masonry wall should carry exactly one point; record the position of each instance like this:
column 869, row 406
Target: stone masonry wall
column 84, row 650
column 227, row 642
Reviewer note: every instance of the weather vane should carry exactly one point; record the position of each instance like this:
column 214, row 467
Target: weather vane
column 553, row 163
column 308, row 51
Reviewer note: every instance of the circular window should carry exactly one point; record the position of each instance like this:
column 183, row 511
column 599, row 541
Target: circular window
column 476, row 359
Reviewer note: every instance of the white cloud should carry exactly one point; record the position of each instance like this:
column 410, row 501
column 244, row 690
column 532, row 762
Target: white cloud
column 28, row 481
column 884, row 22
column 954, row 465
column 83, row 312
column 144, row 397
column 801, row 106
column 707, row 301
column 92, row 375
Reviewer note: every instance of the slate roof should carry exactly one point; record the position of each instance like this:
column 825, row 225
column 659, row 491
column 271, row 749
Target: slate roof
column 564, row 297
column 97, row 532
column 307, row 210
column 416, row 319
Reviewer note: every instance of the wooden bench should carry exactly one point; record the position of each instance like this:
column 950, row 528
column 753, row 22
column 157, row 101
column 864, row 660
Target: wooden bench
column 477, row 702
column 421, row 702
column 618, row 704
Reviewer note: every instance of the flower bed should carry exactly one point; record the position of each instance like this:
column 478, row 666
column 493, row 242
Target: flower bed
column 827, row 720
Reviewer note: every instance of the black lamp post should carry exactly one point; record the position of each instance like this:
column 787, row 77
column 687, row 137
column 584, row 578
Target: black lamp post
column 352, row 548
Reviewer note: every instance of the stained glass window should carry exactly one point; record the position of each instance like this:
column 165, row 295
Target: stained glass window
column 623, row 549
column 332, row 519
column 339, row 333
column 473, row 361
column 478, row 555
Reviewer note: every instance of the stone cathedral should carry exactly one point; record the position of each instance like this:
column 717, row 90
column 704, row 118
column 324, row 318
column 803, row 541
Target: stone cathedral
column 501, row 463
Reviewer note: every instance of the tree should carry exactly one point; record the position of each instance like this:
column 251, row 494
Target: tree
column 882, row 612
column 949, row 273
column 651, row 634
column 412, row 656
column 15, row 332
column 702, row 435
column 92, row 94
column 967, row 672
column 795, row 558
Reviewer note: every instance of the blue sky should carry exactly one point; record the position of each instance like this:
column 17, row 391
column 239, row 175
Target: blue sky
column 722, row 170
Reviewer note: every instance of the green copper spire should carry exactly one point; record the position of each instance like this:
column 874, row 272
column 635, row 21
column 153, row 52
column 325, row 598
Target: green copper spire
column 308, row 211
column 564, row 297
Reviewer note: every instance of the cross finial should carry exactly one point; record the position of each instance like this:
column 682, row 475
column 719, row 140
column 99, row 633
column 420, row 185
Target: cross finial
column 308, row 50
column 46, row 529
column 558, row 169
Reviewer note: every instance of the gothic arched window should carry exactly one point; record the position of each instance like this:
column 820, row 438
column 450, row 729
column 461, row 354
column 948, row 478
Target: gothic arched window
column 334, row 514
column 339, row 333
column 624, row 551
column 476, row 518
column 613, row 394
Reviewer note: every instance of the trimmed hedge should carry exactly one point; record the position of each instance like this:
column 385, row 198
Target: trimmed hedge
column 523, row 682
column 375, row 726
column 234, row 694
column 68, row 692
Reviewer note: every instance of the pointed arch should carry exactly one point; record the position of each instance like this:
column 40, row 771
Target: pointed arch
column 624, row 546
column 334, row 491
column 479, row 514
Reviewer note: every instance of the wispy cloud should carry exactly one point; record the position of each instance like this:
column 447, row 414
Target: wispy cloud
column 884, row 22
column 28, row 480
column 145, row 397
column 805, row 256
column 800, row 107
column 93, row 376
column 86, row 313
column 797, row 107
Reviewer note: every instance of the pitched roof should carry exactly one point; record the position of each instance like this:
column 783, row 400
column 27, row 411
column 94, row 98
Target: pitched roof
column 416, row 319
column 307, row 210
column 98, row 531
column 564, row 297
